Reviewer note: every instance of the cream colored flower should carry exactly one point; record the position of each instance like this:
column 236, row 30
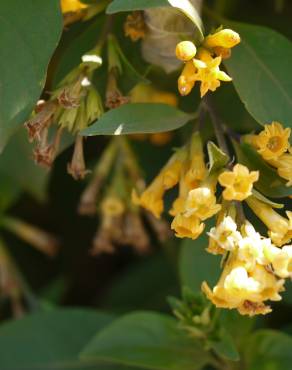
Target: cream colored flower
column 202, row 203
column 226, row 234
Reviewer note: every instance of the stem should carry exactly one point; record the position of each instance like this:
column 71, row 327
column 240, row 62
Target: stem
column 217, row 124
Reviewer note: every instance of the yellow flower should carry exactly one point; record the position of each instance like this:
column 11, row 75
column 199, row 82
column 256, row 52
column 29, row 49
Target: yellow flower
column 69, row 6
column 237, row 288
column 201, row 202
column 210, row 76
column 152, row 198
column 135, row 26
column 185, row 51
column 238, row 183
column 112, row 206
column 197, row 168
column 187, row 79
column 187, row 227
column 225, row 38
column 226, row 236
column 284, row 167
column 273, row 141
column 280, row 228
column 281, row 260
column 143, row 93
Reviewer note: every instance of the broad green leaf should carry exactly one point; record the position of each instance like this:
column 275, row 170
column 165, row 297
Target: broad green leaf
column 17, row 165
column 149, row 340
column 217, row 158
column 49, row 340
column 268, row 350
column 270, row 183
column 126, row 293
column 225, row 347
column 196, row 264
column 261, row 70
column 130, row 5
column 190, row 11
column 9, row 191
column 29, row 33
column 138, row 118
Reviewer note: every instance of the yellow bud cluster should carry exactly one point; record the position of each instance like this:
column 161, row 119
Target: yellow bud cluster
column 203, row 64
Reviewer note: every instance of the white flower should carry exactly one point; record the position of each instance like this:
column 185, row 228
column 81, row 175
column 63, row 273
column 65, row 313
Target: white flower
column 226, row 234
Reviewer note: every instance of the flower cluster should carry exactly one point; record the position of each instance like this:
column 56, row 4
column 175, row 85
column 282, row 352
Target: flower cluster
column 108, row 194
column 203, row 64
column 196, row 200
column 254, row 271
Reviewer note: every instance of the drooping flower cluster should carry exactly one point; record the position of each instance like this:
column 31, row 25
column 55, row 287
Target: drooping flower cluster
column 196, row 200
column 203, row 64
column 108, row 195
column 254, row 271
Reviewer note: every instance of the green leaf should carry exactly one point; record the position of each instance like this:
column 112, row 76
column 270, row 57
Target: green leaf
column 28, row 36
column 186, row 7
column 261, row 70
column 196, row 264
column 268, row 350
column 225, row 347
column 49, row 340
column 138, row 118
column 130, row 5
column 270, row 183
column 148, row 340
column 17, row 165
column 217, row 158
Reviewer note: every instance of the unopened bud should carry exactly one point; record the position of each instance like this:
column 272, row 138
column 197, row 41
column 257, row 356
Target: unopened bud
column 76, row 168
column 185, row 50
column 225, row 38
column 224, row 53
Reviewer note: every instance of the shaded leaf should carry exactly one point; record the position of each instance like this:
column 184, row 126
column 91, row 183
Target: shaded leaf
column 225, row 347
column 28, row 36
column 217, row 158
column 196, row 264
column 49, row 340
column 260, row 67
column 268, row 349
column 130, row 5
column 146, row 339
column 190, row 11
column 17, row 165
column 138, row 118
column 265, row 200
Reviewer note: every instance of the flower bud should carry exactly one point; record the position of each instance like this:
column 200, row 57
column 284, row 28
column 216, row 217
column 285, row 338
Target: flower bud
column 225, row 38
column 185, row 51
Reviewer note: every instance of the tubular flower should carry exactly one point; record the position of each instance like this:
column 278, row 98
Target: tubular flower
column 225, row 38
column 187, row 227
column 187, row 79
column 280, row 228
column 225, row 235
column 238, row 183
column 135, row 26
column 152, row 198
column 281, row 260
column 284, row 167
column 71, row 6
column 243, row 290
column 197, row 170
column 202, row 203
column 273, row 141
